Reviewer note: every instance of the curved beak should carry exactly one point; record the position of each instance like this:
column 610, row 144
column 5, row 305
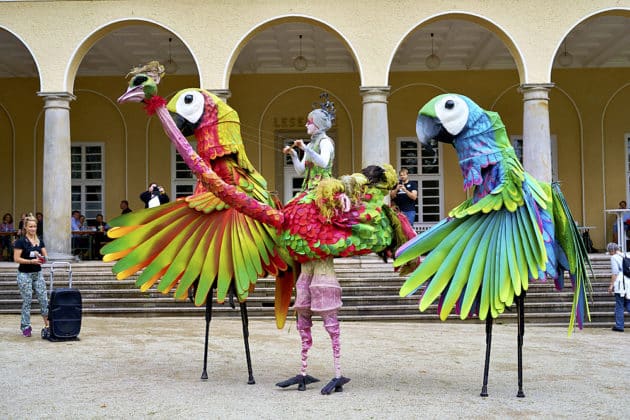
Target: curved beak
column 430, row 130
column 133, row 94
column 427, row 129
column 186, row 127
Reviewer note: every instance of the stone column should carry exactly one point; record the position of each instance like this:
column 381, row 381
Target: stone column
column 375, row 147
column 536, row 137
column 57, row 199
column 223, row 94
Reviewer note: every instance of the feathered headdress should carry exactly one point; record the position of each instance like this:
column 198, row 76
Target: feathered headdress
column 326, row 105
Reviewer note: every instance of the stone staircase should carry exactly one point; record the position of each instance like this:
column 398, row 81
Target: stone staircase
column 370, row 292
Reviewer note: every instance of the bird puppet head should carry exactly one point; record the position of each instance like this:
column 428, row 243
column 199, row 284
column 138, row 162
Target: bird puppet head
column 478, row 136
column 143, row 83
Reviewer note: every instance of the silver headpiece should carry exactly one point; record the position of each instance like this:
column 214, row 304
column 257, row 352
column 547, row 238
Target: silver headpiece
column 326, row 105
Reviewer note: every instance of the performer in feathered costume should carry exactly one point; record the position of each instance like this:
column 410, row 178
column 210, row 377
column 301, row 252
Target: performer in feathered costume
column 329, row 219
column 511, row 230
column 223, row 237
column 231, row 231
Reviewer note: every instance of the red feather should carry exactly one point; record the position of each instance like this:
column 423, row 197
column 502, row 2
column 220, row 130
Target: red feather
column 152, row 104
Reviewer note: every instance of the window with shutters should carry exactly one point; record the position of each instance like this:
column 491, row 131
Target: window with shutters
column 183, row 180
column 87, row 175
column 425, row 167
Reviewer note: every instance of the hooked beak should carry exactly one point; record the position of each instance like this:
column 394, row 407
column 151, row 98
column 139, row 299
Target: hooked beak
column 186, row 127
column 133, row 94
column 430, row 130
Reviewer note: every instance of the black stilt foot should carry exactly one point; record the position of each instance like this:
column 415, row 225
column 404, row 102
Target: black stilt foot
column 335, row 384
column 486, row 366
column 245, row 322
column 520, row 307
column 204, row 373
column 300, row 380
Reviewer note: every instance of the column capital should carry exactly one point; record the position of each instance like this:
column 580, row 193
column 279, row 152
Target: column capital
column 375, row 90
column 535, row 91
column 224, row 94
column 63, row 96
column 374, row 94
column 56, row 99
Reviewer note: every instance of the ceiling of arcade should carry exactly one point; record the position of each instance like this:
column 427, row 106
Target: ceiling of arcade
column 599, row 42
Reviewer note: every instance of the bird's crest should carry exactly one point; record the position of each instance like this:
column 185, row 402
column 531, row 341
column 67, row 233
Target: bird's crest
column 152, row 69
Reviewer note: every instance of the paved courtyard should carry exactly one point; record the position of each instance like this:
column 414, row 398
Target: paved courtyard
column 150, row 368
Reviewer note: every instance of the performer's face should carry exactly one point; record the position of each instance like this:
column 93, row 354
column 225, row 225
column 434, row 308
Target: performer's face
column 311, row 128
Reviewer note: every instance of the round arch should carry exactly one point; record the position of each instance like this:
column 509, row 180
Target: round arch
column 483, row 21
column 625, row 12
column 287, row 19
column 613, row 96
column 93, row 37
column 28, row 48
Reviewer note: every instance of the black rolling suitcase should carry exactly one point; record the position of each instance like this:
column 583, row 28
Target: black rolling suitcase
column 64, row 308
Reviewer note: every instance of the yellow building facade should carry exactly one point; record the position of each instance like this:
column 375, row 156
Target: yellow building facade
column 64, row 138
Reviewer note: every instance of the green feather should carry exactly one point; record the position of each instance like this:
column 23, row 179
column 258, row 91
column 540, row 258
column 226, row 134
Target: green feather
column 427, row 241
column 432, row 262
column 463, row 271
column 180, row 262
column 488, row 275
column 477, row 270
column 512, row 259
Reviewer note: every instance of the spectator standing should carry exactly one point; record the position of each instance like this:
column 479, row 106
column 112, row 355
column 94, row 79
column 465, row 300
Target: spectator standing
column 619, row 285
column 30, row 253
column 405, row 195
column 154, row 196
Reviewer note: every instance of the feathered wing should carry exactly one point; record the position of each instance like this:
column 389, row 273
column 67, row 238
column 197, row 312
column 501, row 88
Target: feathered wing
column 486, row 252
column 572, row 257
column 197, row 237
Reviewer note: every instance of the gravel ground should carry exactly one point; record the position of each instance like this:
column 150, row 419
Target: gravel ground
column 150, row 368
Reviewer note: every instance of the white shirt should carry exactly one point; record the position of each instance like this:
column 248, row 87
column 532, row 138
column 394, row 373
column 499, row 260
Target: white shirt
column 622, row 283
column 320, row 159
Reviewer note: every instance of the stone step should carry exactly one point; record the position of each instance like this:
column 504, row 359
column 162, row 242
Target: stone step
column 370, row 293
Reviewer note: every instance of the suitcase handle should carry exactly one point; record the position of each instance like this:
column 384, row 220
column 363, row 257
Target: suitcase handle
column 60, row 264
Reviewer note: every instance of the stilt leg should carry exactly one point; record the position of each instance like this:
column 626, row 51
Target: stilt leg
column 331, row 323
column 304, row 324
column 520, row 310
column 486, row 367
column 204, row 374
column 245, row 321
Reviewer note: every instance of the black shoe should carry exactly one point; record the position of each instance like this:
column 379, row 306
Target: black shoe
column 335, row 384
column 617, row 329
column 300, row 380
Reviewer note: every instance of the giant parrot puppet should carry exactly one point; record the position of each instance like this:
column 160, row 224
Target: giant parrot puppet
column 513, row 229
column 230, row 231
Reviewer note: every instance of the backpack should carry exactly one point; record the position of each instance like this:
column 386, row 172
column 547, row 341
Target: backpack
column 626, row 266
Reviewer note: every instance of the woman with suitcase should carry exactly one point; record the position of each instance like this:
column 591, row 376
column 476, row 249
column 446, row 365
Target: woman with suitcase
column 30, row 252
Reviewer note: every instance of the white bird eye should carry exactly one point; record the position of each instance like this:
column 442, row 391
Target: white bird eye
column 453, row 113
column 190, row 105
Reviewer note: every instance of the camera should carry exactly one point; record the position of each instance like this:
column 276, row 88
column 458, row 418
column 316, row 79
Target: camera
column 400, row 181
